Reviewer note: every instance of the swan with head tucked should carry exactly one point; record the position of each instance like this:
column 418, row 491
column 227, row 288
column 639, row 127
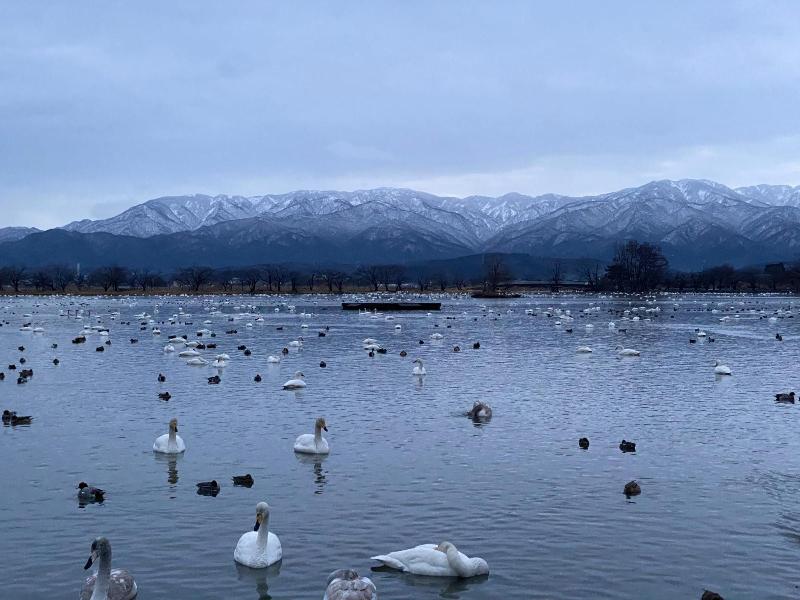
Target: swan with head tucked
column 295, row 383
column 196, row 362
column 107, row 584
column 626, row 351
column 345, row 584
column 313, row 443
column 443, row 560
column 170, row 443
column 419, row 369
column 720, row 369
column 480, row 410
column 273, row 359
column 259, row 548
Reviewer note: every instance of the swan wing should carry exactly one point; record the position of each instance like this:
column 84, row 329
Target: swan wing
column 420, row 560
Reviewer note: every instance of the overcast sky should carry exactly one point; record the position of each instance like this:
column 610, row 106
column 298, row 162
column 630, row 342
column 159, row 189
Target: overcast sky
column 107, row 104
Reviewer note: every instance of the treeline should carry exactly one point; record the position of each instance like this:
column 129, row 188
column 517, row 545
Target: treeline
column 642, row 267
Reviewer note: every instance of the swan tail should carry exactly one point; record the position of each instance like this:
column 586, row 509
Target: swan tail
column 389, row 562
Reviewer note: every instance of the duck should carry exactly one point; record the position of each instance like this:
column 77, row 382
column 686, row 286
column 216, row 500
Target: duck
column 419, row 369
column 784, row 397
column 779, row 337
column 456, row 348
column 627, row 446
column 259, row 548
column 56, row 362
column 720, row 369
column 626, row 351
column 296, row 382
column 583, row 443
column 345, row 584
column 257, row 378
column 632, row 489
column 273, row 359
column 208, row 488
column 313, row 443
column 480, row 410
column 12, row 418
column 403, row 353
column 431, row 560
column 584, row 350
column 107, row 584
column 214, row 380
column 170, row 443
column 243, row 480
column 476, row 346
column 285, row 351
column 89, row 493
column 323, row 364
column 164, row 396
column 161, row 378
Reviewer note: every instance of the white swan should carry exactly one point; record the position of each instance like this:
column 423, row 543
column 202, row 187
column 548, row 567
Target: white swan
column 296, row 383
column 169, row 348
column 443, row 560
column 273, row 359
column 345, row 584
column 313, row 443
column 223, row 356
column 436, row 336
column 702, row 334
column 196, row 362
column 419, row 370
column 170, row 443
column 626, row 351
column 107, row 584
column 188, row 353
column 583, row 350
column 720, row 369
column 368, row 341
column 259, row 548
column 219, row 364
column 296, row 343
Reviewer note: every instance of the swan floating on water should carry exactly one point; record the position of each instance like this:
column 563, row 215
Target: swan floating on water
column 626, row 351
column 273, row 359
column 345, row 584
column 196, row 362
column 296, row 383
column 188, row 353
column 419, row 370
column 720, row 369
column 169, row 348
column 313, row 443
column 584, row 350
column 436, row 336
column 480, row 410
column 107, row 584
column 170, row 443
column 443, row 560
column 259, row 548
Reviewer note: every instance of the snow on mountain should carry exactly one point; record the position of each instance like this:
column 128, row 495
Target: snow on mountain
column 12, row 234
column 778, row 195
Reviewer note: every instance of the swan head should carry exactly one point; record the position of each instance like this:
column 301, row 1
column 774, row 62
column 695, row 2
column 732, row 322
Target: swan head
column 173, row 425
column 298, row 375
column 716, row 363
column 418, row 361
column 618, row 347
column 343, row 574
column 101, row 548
column 320, row 424
column 262, row 514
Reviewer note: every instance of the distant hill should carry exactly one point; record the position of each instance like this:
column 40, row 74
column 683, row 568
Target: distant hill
column 697, row 223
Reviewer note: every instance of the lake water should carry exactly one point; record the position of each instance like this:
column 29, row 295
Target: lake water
column 718, row 460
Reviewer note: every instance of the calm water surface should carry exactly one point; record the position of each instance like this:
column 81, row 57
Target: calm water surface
column 718, row 460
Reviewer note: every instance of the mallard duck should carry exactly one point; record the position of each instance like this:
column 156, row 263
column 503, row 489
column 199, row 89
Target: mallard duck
column 161, row 378
column 584, row 443
column 164, row 395
column 257, row 378
column 784, row 397
column 214, row 380
column 208, row 488
column 476, row 345
column 632, row 489
column 243, row 480
column 627, row 446
column 90, row 493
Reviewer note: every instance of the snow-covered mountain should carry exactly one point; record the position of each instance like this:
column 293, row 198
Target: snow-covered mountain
column 11, row 234
column 697, row 222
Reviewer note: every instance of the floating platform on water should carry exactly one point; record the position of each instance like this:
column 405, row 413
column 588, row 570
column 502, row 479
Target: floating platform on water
column 389, row 306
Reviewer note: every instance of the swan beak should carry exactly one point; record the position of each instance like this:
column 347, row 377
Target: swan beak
column 89, row 562
column 257, row 525
column 325, row 428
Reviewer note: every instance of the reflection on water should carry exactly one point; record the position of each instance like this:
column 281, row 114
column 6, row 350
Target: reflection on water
column 320, row 474
column 444, row 587
column 171, row 461
column 259, row 578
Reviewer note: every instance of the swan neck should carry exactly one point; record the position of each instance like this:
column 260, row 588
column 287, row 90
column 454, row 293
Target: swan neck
column 172, row 442
column 263, row 533
column 317, row 433
column 103, row 578
column 458, row 564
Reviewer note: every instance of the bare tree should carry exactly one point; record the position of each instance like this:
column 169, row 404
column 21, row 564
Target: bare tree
column 442, row 280
column 195, row 277
column 593, row 276
column 311, row 279
column 16, row 276
column 250, row 278
column 61, row 276
column 496, row 273
column 555, row 276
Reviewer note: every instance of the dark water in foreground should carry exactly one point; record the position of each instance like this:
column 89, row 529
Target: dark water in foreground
column 718, row 460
